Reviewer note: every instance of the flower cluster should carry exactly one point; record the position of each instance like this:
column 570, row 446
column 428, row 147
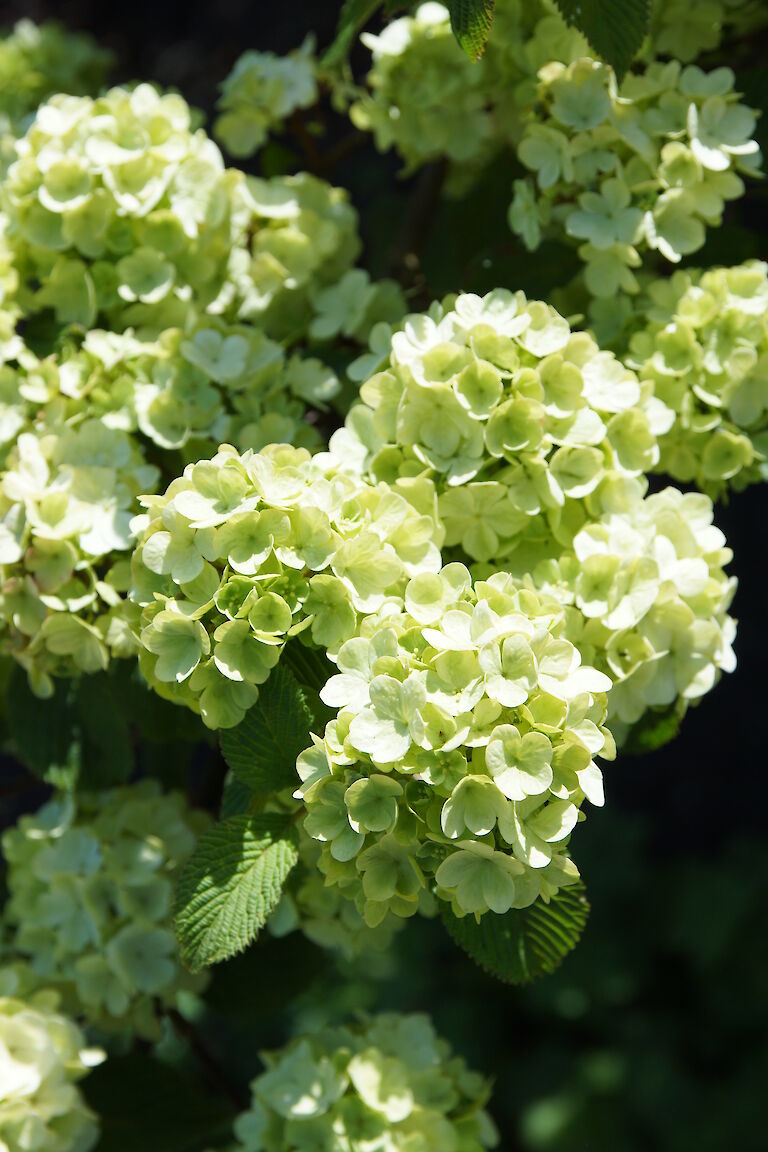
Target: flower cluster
column 91, row 889
column 704, row 346
column 262, row 91
column 37, row 61
column 516, row 418
column 685, row 31
column 244, row 551
column 462, row 751
column 426, row 97
column 645, row 166
column 42, row 1056
column 293, row 236
column 646, row 575
column 118, row 210
column 387, row 1083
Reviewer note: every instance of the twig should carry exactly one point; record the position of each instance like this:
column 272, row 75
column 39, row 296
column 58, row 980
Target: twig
column 213, row 1074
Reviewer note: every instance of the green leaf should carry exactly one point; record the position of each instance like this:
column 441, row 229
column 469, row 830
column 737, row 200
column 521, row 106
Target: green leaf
column 77, row 737
column 524, row 943
column 236, row 797
column 614, row 28
column 230, row 885
column 354, row 15
column 262, row 749
column 471, row 21
column 652, row 731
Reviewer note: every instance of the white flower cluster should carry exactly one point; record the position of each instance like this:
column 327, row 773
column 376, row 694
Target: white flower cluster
column 244, row 551
column 426, row 97
column 42, row 1056
column 645, row 166
column 77, row 429
column 118, row 210
column 462, row 751
column 646, row 575
column 515, row 417
column 261, row 92
column 704, row 346
column 535, row 439
column 91, row 890
column 388, row 1084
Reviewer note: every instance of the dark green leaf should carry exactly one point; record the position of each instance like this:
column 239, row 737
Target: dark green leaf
column 230, row 885
column 262, row 749
column 354, row 15
column 236, row 797
column 41, row 730
column 652, row 731
column 106, row 753
column 524, row 943
column 471, row 21
column 615, row 28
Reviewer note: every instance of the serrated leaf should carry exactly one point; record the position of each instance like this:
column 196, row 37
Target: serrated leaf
column 354, row 15
column 614, row 28
column 236, row 797
column 652, row 731
column 230, row 885
column 262, row 749
column 471, row 21
column 525, row 943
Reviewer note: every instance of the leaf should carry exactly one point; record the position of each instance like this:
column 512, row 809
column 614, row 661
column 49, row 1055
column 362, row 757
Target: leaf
column 262, row 749
column 77, row 737
column 236, row 797
column 614, row 28
column 354, row 15
column 652, row 731
column 525, row 943
column 471, row 21
column 230, row 885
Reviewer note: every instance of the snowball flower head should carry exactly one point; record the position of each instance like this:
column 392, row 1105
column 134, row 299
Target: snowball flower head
column 387, row 1082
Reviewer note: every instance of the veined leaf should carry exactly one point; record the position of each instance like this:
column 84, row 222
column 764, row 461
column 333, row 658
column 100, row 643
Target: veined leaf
column 230, row 885
column 262, row 749
column 525, row 943
column 471, row 21
column 615, row 28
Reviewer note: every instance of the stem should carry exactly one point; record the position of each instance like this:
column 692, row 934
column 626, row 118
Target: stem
column 405, row 261
column 213, row 1074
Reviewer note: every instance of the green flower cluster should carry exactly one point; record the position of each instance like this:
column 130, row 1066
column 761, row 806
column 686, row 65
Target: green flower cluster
column 35, row 63
column 516, row 418
column 684, row 31
column 42, row 1056
column 293, row 236
column 704, row 346
column 646, row 575
column 645, row 166
column 388, row 1084
column 425, row 96
column 118, row 210
column 462, row 751
column 77, row 428
column 324, row 915
column 260, row 92
column 244, row 551
column 91, row 890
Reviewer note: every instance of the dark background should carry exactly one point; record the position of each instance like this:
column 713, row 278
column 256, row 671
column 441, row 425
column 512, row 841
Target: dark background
column 653, row 1035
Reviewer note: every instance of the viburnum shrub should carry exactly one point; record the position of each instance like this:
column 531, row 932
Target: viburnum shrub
column 327, row 596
